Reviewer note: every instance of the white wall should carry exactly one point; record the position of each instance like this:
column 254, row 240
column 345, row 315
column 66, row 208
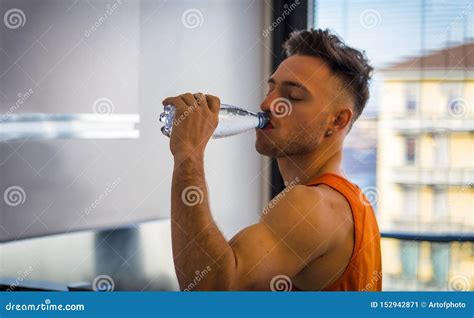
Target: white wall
column 223, row 56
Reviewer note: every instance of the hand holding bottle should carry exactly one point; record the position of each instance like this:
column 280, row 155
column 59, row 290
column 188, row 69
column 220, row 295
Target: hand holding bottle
column 232, row 120
column 195, row 119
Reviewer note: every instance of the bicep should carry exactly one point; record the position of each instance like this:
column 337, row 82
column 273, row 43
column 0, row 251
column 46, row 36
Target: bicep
column 260, row 255
column 282, row 243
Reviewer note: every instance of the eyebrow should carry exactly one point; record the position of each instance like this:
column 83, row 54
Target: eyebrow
column 289, row 83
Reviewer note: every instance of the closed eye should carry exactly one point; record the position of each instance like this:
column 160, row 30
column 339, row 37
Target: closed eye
column 291, row 98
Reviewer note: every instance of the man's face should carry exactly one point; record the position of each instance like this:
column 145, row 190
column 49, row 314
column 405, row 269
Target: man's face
column 301, row 97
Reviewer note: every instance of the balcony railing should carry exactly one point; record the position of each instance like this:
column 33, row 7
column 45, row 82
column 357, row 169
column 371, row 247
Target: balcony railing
column 431, row 227
column 428, row 261
column 415, row 124
column 448, row 176
column 430, row 236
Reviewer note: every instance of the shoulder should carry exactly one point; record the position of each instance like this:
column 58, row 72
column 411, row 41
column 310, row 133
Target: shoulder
column 302, row 200
column 314, row 212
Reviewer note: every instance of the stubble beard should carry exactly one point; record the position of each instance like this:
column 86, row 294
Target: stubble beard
column 293, row 145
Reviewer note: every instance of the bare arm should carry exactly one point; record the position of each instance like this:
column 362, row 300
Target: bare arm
column 289, row 235
column 198, row 245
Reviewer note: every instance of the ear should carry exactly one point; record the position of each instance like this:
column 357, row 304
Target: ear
column 341, row 120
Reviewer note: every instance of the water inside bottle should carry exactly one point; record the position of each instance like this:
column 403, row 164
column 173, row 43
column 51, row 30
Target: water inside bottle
column 232, row 120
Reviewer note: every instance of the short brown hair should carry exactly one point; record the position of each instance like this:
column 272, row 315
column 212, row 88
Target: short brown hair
column 351, row 65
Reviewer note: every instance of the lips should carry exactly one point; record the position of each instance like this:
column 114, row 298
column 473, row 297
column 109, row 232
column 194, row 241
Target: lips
column 269, row 126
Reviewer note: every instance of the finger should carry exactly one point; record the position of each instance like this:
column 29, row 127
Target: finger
column 189, row 99
column 200, row 99
column 175, row 101
column 167, row 100
column 213, row 102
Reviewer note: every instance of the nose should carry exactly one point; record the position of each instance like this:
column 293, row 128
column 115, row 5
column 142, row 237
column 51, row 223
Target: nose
column 266, row 103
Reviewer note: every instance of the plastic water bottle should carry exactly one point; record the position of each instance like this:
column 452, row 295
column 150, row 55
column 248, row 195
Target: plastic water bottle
column 232, row 120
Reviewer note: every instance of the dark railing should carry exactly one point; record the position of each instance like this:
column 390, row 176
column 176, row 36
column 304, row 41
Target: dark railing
column 430, row 237
column 440, row 276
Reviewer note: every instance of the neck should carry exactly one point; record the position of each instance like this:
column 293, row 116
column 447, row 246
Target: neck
column 306, row 167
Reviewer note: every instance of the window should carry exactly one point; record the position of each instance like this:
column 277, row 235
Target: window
column 411, row 97
column 422, row 51
column 410, row 150
column 409, row 254
column 411, row 104
column 439, row 264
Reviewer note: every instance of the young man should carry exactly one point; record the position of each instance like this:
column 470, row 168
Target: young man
column 320, row 233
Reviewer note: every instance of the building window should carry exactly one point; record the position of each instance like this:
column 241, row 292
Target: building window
column 411, row 97
column 409, row 254
column 411, row 105
column 410, row 150
column 440, row 254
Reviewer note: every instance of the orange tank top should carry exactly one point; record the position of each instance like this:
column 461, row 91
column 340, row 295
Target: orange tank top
column 364, row 270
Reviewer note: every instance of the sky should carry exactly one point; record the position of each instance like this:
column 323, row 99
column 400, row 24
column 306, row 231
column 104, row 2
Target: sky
column 390, row 31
